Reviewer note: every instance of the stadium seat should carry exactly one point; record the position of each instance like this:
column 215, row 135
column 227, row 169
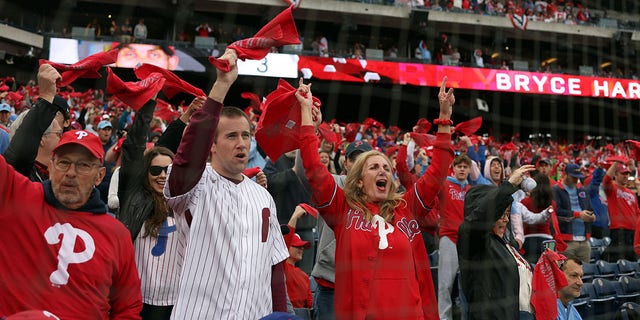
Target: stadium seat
column 626, row 268
column 597, row 243
column 607, row 270
column 590, row 271
column 583, row 307
column 604, row 304
column 628, row 311
column 582, row 303
column 595, row 254
column 629, row 290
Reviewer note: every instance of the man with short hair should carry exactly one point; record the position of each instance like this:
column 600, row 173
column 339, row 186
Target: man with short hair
column 623, row 213
column 234, row 232
column 572, row 268
column 451, row 209
column 67, row 255
column 574, row 213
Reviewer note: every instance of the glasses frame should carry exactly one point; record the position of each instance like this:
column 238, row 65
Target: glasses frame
column 81, row 167
column 59, row 133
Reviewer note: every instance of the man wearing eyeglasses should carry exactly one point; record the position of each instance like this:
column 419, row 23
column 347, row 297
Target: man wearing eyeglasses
column 39, row 131
column 61, row 252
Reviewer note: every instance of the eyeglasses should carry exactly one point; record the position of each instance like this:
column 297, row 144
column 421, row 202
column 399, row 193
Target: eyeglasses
column 157, row 170
column 57, row 133
column 82, row 167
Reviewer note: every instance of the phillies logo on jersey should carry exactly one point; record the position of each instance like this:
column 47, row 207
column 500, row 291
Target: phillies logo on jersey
column 628, row 197
column 410, row 228
column 456, row 195
column 66, row 254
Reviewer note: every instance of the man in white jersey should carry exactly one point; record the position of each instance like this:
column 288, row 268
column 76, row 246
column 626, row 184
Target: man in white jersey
column 234, row 261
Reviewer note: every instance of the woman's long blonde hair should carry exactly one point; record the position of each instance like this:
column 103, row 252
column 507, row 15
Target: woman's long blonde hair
column 356, row 197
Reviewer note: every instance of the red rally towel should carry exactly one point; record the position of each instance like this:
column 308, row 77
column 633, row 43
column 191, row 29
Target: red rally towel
column 547, row 280
column 423, row 126
column 251, row 172
column 135, row 94
column 278, row 128
column 85, row 68
column 173, row 85
column 636, row 148
column 309, row 209
column 324, row 129
column 279, row 31
column 422, row 139
column 164, row 111
column 469, row 127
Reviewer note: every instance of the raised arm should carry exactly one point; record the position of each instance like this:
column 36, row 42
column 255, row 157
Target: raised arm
column 171, row 137
column 191, row 158
column 23, row 148
column 323, row 187
column 425, row 191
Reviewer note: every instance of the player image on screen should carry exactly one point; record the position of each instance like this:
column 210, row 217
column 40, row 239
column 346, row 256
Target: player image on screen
column 135, row 54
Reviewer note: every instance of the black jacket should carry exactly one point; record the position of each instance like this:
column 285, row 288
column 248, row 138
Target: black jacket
column 136, row 203
column 287, row 191
column 489, row 272
column 23, row 149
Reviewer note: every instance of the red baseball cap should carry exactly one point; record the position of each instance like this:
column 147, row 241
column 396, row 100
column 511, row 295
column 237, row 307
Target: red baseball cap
column 622, row 168
column 296, row 241
column 86, row 139
column 33, row 315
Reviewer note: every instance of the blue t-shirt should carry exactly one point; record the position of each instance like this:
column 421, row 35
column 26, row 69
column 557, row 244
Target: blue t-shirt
column 578, row 227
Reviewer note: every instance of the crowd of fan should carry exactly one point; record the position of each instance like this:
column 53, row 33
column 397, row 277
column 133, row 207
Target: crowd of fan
column 569, row 220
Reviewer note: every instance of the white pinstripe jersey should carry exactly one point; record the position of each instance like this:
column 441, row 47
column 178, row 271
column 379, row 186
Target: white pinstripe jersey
column 227, row 266
column 159, row 261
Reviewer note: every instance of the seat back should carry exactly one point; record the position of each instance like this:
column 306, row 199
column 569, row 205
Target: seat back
column 605, row 304
column 607, row 270
column 589, row 272
column 626, row 268
column 628, row 311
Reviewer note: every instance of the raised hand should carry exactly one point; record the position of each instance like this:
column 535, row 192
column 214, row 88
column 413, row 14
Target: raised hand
column 47, row 77
column 446, row 99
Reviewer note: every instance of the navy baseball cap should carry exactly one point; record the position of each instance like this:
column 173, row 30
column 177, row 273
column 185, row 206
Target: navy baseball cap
column 358, row 145
column 573, row 170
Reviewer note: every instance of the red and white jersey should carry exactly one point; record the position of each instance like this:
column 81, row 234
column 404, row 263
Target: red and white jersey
column 234, row 240
column 159, row 262
column 76, row 265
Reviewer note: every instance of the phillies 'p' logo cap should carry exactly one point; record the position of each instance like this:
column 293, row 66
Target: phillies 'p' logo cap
column 86, row 139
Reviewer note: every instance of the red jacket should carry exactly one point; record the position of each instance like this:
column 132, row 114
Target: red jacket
column 389, row 283
column 451, row 207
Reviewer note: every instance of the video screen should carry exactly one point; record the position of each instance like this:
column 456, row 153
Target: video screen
column 70, row 51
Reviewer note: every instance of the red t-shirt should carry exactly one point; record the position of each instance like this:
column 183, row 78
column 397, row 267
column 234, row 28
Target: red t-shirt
column 298, row 287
